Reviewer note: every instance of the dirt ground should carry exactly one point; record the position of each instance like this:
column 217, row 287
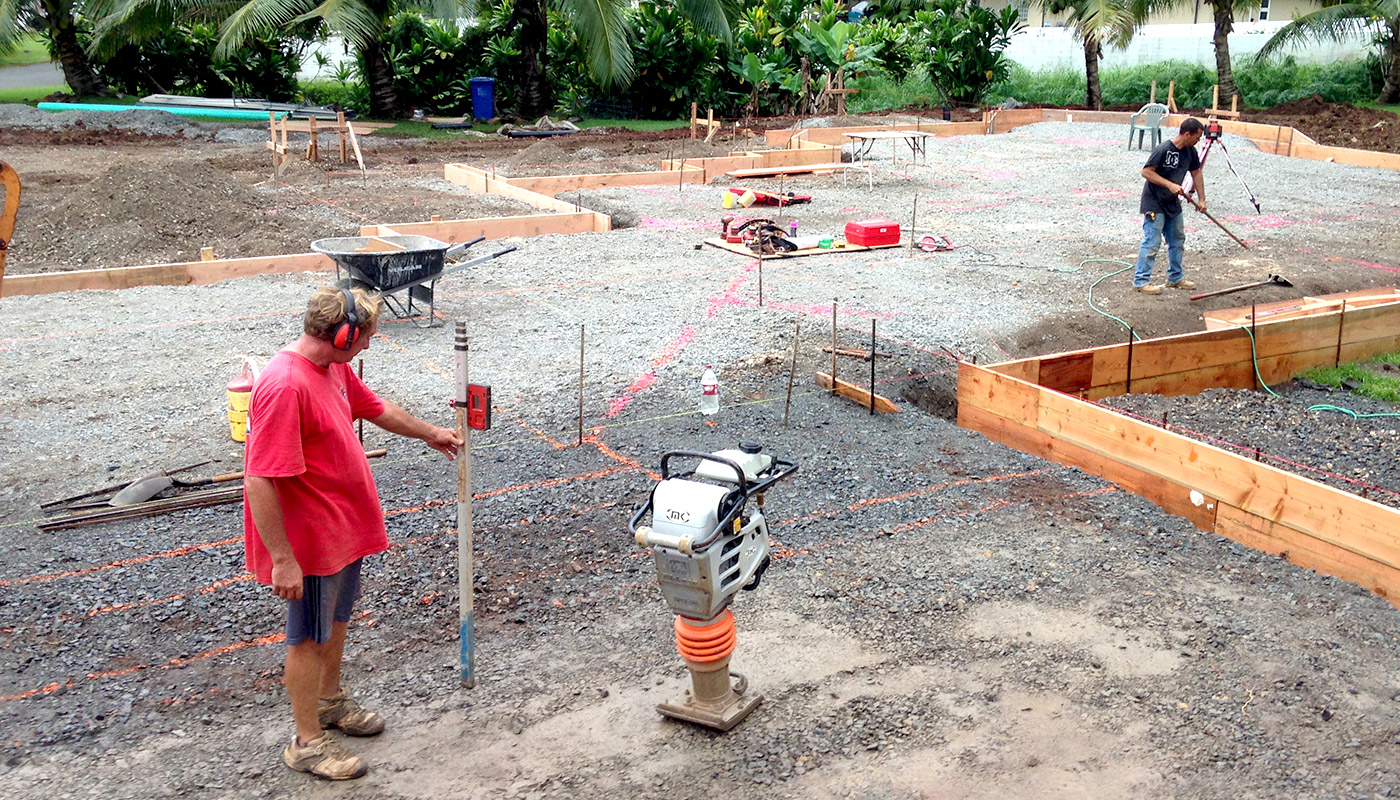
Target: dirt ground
column 945, row 617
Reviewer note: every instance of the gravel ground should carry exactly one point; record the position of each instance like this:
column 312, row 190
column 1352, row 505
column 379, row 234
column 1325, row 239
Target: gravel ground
column 945, row 616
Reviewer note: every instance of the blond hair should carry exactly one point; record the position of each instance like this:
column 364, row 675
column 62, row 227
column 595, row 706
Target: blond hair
column 327, row 309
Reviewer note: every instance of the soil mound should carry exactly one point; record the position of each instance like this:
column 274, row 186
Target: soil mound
column 1336, row 124
column 539, row 153
column 129, row 215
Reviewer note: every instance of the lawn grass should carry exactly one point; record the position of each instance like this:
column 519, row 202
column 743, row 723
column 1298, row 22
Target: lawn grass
column 1376, row 387
column 31, row 95
column 1394, row 109
column 29, row 50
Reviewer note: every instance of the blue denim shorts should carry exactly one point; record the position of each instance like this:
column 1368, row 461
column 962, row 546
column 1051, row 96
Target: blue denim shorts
column 324, row 599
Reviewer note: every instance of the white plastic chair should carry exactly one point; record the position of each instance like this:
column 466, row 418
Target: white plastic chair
column 1148, row 118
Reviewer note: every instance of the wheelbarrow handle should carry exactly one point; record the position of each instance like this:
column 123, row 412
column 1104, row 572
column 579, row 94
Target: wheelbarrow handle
column 452, row 251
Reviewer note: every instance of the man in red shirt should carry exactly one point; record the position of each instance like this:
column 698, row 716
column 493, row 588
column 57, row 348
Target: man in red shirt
column 311, row 511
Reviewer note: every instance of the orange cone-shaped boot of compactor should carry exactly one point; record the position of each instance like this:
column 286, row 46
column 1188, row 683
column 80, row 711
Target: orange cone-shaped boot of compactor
column 712, row 700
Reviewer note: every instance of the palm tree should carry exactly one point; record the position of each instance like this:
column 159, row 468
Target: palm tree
column 1094, row 23
column 1338, row 21
column 56, row 19
column 1224, row 13
column 601, row 26
column 361, row 23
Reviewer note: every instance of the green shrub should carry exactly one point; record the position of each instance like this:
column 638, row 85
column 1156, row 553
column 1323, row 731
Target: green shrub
column 1261, row 84
column 180, row 60
column 349, row 95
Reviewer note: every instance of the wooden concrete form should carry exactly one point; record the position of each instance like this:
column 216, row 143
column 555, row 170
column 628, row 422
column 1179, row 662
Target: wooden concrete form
column 181, row 274
column 481, row 181
column 554, row 184
column 835, row 136
column 454, row 231
column 1033, row 405
column 1302, row 307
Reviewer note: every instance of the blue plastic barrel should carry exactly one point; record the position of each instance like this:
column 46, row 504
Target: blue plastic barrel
column 483, row 97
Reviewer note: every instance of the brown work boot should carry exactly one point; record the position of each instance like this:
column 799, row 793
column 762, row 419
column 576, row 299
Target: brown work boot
column 342, row 712
column 1181, row 284
column 324, row 758
column 1148, row 288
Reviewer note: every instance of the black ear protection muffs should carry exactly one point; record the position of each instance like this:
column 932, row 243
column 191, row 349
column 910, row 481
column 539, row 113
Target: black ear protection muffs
column 348, row 332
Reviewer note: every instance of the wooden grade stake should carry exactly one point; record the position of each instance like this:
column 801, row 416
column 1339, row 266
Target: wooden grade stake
column 792, row 371
column 833, row 348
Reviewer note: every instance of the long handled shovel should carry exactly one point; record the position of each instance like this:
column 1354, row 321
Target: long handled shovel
column 1217, row 222
column 1272, row 280
column 148, row 487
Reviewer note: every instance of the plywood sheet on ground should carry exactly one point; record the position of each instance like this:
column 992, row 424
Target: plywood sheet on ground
column 743, row 250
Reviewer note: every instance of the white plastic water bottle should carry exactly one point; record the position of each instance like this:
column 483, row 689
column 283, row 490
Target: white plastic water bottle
column 709, row 391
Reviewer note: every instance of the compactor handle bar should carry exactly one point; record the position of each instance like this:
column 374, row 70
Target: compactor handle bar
column 735, row 499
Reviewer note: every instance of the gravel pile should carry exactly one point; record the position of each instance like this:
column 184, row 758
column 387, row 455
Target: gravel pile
column 156, row 123
column 943, row 615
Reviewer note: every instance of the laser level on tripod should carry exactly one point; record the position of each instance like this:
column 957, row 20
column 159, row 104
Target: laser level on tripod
column 1214, row 135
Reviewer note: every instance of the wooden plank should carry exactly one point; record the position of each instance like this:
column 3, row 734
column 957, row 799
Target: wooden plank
column 1344, row 155
column 795, row 169
column 1002, row 395
column 378, row 245
column 179, row 274
column 862, row 396
column 1375, row 322
column 554, row 184
column 743, row 249
column 1371, row 348
column 464, row 230
column 1172, row 497
column 480, row 181
column 1307, row 551
column 1334, row 516
column 1305, row 306
column 1068, row 372
column 1026, row 369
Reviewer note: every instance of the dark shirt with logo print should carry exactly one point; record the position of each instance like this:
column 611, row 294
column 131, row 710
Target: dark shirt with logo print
column 1173, row 164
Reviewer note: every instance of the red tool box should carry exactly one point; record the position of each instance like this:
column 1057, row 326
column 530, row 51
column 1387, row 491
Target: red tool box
column 872, row 232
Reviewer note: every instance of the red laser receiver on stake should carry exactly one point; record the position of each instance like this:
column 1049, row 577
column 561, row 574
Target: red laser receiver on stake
column 478, row 407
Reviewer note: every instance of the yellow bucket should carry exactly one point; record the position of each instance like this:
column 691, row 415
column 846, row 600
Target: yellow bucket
column 727, row 200
column 240, row 392
column 238, row 425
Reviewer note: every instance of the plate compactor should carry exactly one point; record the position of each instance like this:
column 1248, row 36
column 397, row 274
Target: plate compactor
column 707, row 545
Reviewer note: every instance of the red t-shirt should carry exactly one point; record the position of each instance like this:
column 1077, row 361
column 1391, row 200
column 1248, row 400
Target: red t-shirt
column 301, row 434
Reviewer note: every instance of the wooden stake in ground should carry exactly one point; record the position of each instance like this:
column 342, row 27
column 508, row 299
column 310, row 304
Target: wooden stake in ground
column 913, row 220
column 760, row 280
column 796, row 337
column 580, row 385
column 833, row 348
column 465, row 563
column 872, row 367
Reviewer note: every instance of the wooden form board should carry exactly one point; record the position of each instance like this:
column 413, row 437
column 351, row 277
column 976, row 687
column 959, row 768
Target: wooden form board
column 181, row 274
column 454, row 231
column 1313, row 525
column 743, row 250
column 1192, row 362
column 851, row 391
column 555, row 184
column 765, row 159
column 1302, row 307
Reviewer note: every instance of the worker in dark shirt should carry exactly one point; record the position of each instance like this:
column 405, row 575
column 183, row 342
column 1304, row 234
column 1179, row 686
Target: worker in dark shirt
column 1161, row 206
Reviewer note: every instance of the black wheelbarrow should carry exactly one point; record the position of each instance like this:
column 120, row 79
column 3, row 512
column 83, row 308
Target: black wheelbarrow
column 394, row 265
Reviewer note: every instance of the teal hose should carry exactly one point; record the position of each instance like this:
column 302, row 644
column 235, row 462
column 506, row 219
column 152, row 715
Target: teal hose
column 1097, row 310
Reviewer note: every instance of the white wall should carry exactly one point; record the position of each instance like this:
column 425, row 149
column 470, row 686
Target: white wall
column 1054, row 48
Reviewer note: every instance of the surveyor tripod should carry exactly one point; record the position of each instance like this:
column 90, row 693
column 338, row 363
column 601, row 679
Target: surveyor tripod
column 1213, row 137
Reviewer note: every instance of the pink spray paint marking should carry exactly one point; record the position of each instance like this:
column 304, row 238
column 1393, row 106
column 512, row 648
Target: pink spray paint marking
column 1074, row 141
column 1373, row 264
column 658, row 222
column 649, row 377
column 852, row 210
column 997, row 174
column 1091, row 210
column 730, row 295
